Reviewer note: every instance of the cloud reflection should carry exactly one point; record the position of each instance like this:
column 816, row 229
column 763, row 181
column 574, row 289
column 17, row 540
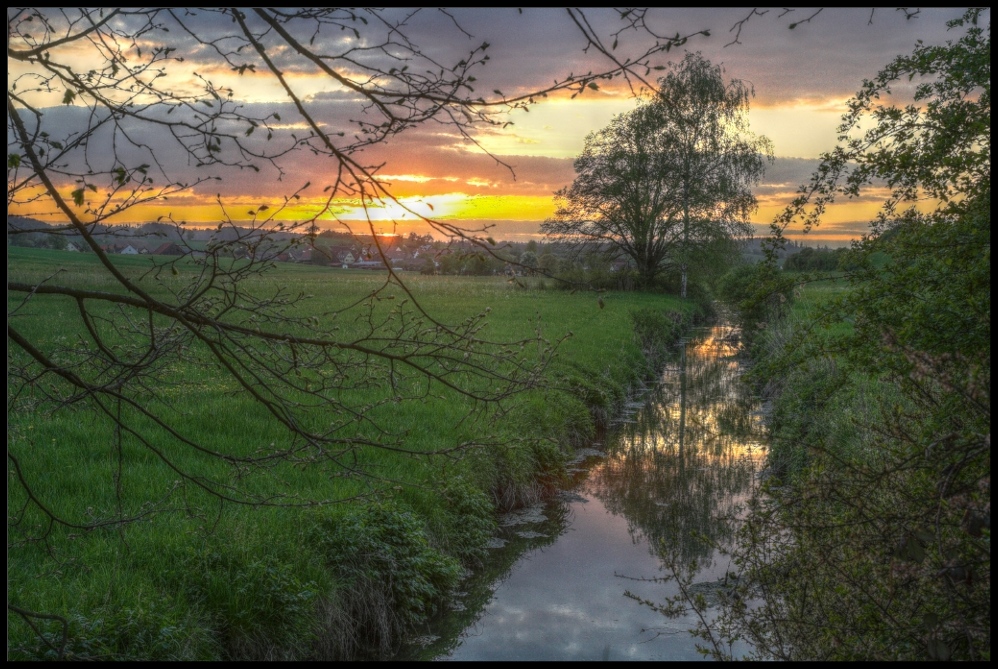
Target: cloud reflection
column 686, row 457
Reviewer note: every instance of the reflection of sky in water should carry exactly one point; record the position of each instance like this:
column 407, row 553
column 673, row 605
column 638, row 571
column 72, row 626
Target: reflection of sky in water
column 684, row 460
column 566, row 601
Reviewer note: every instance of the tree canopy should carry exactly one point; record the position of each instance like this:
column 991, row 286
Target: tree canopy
column 664, row 182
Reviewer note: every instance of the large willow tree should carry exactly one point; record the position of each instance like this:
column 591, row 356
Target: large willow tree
column 670, row 179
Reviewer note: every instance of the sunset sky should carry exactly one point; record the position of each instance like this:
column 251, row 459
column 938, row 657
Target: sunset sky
column 802, row 79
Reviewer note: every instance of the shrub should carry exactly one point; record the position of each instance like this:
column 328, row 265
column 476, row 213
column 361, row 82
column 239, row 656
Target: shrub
column 656, row 331
column 261, row 606
column 471, row 520
column 392, row 577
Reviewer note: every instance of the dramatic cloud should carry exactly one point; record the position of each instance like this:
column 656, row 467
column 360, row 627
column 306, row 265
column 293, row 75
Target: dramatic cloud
column 500, row 173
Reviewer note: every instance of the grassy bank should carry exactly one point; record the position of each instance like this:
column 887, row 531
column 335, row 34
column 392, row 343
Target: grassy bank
column 873, row 538
column 196, row 578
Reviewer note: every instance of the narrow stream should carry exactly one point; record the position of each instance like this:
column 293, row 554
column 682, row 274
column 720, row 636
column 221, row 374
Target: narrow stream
column 677, row 464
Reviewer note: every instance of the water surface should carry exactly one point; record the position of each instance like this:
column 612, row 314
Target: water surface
column 676, row 466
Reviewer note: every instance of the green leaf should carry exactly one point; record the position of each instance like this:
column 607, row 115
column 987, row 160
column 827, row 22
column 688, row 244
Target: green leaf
column 14, row 160
column 78, row 197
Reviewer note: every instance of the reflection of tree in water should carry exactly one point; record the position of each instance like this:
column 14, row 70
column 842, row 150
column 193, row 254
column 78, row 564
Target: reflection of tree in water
column 689, row 456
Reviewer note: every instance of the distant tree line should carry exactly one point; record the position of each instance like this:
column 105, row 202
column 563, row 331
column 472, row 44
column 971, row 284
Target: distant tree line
column 38, row 240
column 820, row 260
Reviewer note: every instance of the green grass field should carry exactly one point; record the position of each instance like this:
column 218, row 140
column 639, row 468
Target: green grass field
column 199, row 578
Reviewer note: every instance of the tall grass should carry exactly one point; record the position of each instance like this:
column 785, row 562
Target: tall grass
column 201, row 579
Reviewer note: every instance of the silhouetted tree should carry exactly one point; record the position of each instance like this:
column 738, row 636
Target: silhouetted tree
column 668, row 178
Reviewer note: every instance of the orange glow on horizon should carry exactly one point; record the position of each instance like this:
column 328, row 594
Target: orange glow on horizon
column 842, row 222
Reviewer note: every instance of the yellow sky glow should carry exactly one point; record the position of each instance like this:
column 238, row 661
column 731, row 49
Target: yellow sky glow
column 554, row 128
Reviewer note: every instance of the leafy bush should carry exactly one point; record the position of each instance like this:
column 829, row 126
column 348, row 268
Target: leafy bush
column 471, row 520
column 385, row 546
column 760, row 292
column 261, row 607
column 656, row 331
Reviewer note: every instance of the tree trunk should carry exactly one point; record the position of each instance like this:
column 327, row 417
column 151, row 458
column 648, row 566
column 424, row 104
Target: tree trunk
column 648, row 273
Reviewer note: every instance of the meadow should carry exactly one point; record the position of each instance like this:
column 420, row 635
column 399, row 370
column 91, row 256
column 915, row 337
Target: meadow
column 341, row 563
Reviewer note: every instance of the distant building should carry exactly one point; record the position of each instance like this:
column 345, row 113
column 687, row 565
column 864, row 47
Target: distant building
column 369, row 264
column 168, row 249
column 296, row 255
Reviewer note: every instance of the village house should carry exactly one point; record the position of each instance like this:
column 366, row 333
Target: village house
column 168, row 249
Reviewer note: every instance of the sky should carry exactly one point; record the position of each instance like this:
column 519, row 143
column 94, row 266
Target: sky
column 500, row 178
